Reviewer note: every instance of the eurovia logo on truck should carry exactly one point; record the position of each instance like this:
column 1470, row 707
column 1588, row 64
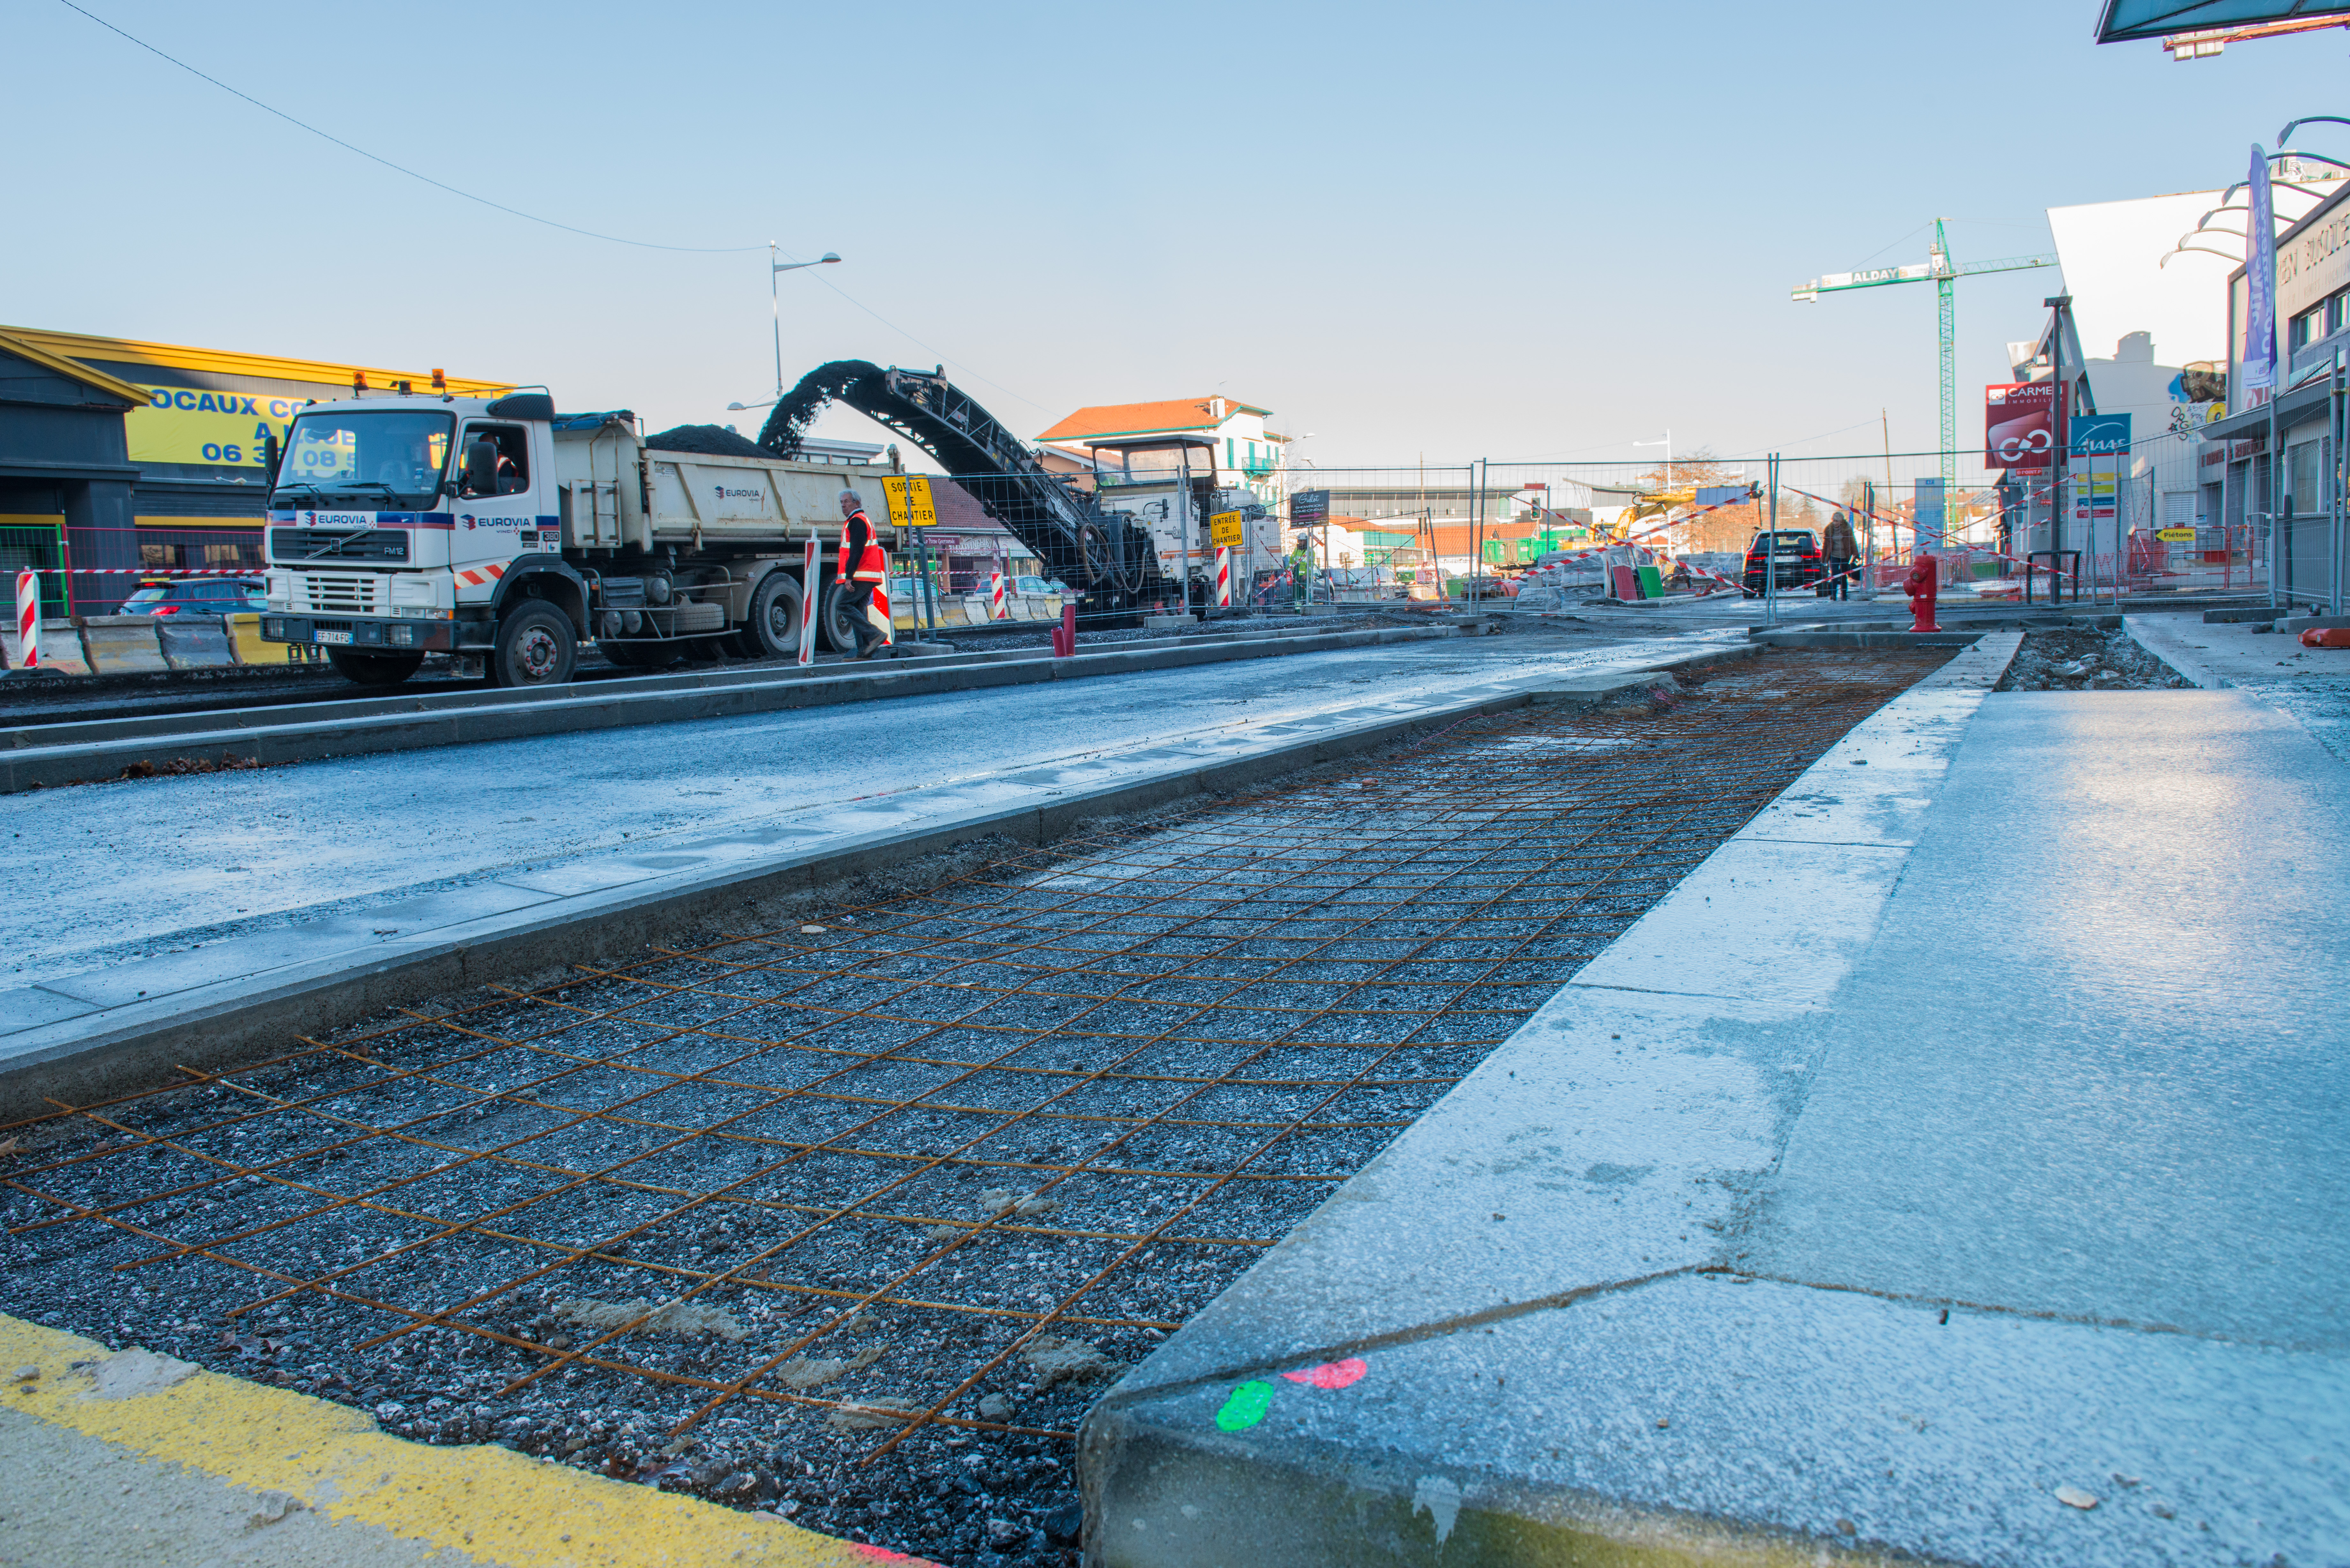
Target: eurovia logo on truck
column 726, row 494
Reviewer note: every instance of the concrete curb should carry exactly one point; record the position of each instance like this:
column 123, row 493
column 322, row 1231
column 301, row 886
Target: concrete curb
column 102, row 748
column 80, row 1039
column 1867, row 639
column 330, row 1488
column 2166, row 644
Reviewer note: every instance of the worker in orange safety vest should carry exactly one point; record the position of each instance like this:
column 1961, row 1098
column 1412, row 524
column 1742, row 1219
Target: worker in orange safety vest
column 863, row 568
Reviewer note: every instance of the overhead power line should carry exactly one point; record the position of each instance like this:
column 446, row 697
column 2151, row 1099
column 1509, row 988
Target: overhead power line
column 517, row 211
column 387, row 163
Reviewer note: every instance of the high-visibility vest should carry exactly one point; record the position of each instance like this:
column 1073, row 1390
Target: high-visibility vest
column 870, row 565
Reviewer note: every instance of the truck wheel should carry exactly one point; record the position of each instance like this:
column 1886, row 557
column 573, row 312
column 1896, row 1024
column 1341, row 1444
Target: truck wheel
column 536, row 646
column 374, row 669
column 832, row 619
column 774, row 629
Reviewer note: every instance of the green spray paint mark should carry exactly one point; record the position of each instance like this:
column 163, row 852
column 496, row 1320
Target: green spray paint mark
column 1247, row 1407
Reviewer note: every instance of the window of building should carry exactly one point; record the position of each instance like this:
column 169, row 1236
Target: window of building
column 2304, row 465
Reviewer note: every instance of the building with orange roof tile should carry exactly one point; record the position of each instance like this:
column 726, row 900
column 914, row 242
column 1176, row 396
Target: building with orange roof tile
column 1247, row 452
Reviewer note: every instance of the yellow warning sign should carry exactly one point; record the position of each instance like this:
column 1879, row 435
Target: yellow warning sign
column 1224, row 528
column 2176, row 535
column 909, row 501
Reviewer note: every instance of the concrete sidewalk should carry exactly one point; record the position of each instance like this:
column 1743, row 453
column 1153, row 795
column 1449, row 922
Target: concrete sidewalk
column 1951, row 1167
column 2313, row 684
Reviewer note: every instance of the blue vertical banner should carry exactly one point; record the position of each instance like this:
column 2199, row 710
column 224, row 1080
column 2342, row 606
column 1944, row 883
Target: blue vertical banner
column 1931, row 517
column 2260, row 279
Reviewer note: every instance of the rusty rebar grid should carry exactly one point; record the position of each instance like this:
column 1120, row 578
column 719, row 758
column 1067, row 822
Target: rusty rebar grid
column 783, row 1176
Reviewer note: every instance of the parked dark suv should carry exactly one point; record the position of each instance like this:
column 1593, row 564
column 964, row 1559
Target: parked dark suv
column 196, row 596
column 1800, row 564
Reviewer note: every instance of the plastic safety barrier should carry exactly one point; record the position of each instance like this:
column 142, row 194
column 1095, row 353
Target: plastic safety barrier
column 120, row 644
column 194, row 642
column 60, row 649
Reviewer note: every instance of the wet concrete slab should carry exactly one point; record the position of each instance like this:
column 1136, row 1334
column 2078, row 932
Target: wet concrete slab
column 1956, row 1177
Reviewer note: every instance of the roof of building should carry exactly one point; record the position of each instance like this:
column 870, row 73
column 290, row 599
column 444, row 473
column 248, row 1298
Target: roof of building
column 1144, row 418
column 80, row 346
column 97, row 381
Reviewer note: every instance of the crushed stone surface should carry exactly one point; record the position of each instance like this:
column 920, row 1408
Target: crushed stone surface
column 2082, row 659
column 898, row 1199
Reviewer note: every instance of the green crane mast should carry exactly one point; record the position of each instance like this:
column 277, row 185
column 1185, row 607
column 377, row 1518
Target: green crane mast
column 1945, row 274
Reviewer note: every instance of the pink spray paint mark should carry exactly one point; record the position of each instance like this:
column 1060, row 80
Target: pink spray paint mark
column 1332, row 1374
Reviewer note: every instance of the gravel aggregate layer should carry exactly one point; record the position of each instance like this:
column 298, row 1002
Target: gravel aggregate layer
column 2082, row 659
column 848, row 1214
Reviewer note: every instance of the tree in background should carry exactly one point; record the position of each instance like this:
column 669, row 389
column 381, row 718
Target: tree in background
column 1725, row 528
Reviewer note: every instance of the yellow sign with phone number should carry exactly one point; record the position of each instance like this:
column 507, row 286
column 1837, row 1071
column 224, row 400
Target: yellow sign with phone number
column 195, row 425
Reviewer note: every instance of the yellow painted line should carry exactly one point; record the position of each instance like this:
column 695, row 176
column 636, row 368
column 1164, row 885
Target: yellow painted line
column 500, row 1506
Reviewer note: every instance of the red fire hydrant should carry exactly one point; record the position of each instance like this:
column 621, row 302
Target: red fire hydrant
column 1921, row 584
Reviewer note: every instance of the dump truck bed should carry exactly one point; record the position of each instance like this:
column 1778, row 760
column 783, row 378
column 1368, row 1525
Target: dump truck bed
column 616, row 493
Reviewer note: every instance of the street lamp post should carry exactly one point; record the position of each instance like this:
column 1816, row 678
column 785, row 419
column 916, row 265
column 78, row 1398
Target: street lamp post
column 775, row 315
column 1667, row 444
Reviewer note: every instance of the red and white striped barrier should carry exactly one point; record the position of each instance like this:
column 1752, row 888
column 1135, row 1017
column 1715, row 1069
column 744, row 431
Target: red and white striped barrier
column 877, row 613
column 812, row 587
column 28, row 621
column 995, row 610
column 1223, row 576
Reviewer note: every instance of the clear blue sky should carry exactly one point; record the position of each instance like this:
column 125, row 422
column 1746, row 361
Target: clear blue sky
column 1469, row 230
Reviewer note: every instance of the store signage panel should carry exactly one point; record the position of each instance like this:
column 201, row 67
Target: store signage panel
column 2019, row 424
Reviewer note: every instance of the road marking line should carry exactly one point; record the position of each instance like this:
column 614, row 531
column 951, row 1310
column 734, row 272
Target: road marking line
column 483, row 1501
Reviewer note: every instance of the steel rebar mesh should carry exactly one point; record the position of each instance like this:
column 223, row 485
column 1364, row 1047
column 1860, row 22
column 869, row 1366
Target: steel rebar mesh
column 812, row 1217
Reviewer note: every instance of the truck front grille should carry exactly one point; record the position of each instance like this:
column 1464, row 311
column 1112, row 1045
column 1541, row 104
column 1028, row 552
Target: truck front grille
column 337, row 544
column 336, row 593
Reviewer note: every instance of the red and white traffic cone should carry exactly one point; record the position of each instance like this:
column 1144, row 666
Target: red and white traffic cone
column 811, row 589
column 29, row 620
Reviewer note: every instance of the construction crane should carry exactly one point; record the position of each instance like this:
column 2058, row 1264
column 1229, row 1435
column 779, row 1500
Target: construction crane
column 1945, row 274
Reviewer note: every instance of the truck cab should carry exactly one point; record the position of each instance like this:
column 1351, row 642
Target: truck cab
column 401, row 525
column 502, row 534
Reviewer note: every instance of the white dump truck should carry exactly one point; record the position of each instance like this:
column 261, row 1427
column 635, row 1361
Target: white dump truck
column 503, row 534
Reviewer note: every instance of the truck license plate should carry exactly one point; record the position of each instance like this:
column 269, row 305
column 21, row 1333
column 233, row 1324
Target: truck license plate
column 340, row 637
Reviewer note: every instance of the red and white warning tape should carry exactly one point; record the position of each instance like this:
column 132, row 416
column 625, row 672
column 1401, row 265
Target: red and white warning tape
column 143, row 571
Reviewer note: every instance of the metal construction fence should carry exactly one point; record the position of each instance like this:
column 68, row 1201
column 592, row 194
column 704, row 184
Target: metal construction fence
column 2133, row 523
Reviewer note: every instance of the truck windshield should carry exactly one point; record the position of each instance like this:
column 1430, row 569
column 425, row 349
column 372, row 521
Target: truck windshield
column 391, row 459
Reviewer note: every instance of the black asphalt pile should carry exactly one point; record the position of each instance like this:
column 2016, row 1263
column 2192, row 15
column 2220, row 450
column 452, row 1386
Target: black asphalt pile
column 709, row 441
column 2082, row 659
column 787, row 423
column 848, row 1213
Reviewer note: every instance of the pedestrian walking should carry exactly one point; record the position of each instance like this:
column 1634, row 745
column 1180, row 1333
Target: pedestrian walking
column 1301, row 573
column 862, row 568
column 1841, row 550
